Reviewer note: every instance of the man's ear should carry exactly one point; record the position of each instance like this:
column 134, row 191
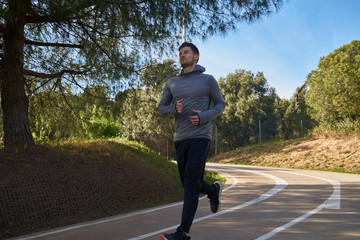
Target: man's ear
column 196, row 56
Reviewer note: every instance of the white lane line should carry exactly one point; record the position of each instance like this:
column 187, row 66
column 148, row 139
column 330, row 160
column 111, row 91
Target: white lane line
column 333, row 202
column 280, row 184
column 290, row 224
column 235, row 181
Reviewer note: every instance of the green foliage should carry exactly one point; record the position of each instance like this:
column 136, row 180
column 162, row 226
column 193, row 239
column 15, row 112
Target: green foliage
column 248, row 100
column 139, row 107
column 334, row 87
column 211, row 177
column 52, row 118
column 108, row 40
column 134, row 113
column 155, row 74
column 292, row 115
column 41, row 133
column 342, row 128
column 61, row 116
column 101, row 125
column 69, row 45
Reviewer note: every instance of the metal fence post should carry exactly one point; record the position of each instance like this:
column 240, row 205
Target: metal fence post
column 260, row 130
column 216, row 140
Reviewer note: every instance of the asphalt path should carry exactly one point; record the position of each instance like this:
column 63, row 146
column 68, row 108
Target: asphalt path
column 257, row 203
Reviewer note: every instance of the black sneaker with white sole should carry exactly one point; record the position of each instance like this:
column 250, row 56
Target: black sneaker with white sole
column 215, row 200
column 178, row 235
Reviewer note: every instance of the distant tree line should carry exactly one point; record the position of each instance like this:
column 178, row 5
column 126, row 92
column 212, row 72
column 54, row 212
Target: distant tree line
column 330, row 93
column 133, row 114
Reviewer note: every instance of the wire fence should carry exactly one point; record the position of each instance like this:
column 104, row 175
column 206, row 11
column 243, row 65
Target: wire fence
column 161, row 146
column 262, row 134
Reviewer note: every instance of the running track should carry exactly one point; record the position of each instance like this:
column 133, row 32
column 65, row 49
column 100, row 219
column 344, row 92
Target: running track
column 257, row 203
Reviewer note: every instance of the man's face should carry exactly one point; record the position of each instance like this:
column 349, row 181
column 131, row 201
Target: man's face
column 187, row 57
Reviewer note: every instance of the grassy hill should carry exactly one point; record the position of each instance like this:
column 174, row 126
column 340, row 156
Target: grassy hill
column 43, row 187
column 330, row 154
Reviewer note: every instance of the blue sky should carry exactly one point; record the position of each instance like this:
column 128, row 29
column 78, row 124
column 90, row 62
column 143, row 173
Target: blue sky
column 285, row 46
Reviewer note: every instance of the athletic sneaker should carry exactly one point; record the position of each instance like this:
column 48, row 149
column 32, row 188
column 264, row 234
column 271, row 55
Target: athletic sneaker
column 178, row 235
column 215, row 200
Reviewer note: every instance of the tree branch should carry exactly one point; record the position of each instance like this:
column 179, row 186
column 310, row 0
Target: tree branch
column 3, row 29
column 53, row 44
column 105, row 34
column 41, row 85
column 51, row 75
column 85, row 90
column 297, row 97
column 43, row 19
column 99, row 46
column 70, row 14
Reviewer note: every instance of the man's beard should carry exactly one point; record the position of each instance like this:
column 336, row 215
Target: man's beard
column 187, row 64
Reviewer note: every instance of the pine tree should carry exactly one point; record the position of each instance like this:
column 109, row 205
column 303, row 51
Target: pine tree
column 58, row 44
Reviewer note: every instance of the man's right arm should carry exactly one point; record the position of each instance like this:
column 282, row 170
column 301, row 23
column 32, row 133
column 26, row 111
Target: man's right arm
column 166, row 107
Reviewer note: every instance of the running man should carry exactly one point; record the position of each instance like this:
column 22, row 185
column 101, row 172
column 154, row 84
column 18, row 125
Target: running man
column 188, row 97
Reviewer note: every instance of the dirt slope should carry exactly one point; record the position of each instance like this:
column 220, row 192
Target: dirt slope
column 341, row 154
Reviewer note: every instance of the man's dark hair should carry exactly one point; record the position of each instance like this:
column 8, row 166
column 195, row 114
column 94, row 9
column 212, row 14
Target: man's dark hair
column 194, row 49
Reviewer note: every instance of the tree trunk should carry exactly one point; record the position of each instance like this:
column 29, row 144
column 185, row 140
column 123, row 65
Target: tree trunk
column 13, row 98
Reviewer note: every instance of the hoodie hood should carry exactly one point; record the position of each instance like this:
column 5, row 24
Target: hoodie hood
column 197, row 69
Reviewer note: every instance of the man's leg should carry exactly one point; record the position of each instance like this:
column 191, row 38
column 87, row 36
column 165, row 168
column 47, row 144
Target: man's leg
column 196, row 153
column 181, row 157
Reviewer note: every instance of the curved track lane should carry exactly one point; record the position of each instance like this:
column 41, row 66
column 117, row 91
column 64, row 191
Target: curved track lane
column 257, row 203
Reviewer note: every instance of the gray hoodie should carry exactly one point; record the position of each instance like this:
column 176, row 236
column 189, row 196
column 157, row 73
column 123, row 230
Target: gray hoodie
column 197, row 90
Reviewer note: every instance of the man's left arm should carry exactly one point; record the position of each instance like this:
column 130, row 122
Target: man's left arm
column 219, row 103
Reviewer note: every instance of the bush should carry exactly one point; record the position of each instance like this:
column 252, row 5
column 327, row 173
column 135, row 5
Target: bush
column 342, row 128
column 101, row 125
